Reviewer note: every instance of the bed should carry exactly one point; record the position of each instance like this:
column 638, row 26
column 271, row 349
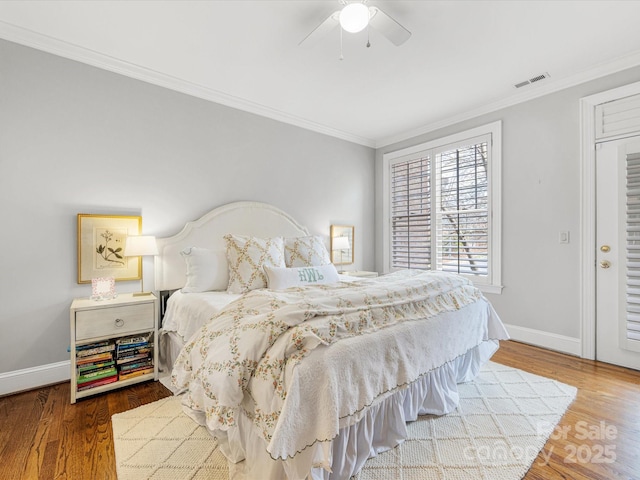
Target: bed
column 311, row 381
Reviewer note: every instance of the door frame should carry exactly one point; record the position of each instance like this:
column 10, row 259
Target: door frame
column 588, row 211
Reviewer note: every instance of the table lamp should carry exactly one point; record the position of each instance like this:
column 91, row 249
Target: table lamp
column 341, row 243
column 141, row 246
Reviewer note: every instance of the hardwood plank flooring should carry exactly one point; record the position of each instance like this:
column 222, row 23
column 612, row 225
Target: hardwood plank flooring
column 44, row 437
column 599, row 436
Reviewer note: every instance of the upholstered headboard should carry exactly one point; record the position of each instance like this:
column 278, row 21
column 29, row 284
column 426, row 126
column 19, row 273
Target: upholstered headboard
column 243, row 218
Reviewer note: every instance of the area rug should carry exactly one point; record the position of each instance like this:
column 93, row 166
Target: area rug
column 504, row 419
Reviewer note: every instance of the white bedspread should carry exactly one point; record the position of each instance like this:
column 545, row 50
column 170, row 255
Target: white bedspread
column 239, row 363
column 188, row 312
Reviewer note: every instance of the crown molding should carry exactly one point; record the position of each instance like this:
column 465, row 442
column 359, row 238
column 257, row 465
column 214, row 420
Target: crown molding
column 607, row 68
column 68, row 50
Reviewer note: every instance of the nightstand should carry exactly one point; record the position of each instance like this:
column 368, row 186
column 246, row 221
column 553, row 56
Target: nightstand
column 361, row 273
column 114, row 343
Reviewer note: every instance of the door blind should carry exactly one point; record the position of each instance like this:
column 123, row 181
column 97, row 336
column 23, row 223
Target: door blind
column 633, row 246
column 411, row 214
column 620, row 117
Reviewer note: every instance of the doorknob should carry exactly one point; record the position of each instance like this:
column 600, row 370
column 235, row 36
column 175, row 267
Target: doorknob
column 605, row 248
column 604, row 264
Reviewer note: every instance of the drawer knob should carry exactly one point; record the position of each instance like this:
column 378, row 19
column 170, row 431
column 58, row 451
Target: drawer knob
column 119, row 322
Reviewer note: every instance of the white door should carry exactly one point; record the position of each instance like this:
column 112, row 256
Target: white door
column 618, row 255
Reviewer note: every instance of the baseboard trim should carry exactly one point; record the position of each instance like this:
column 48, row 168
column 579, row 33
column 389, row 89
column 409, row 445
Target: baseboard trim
column 550, row 341
column 29, row 378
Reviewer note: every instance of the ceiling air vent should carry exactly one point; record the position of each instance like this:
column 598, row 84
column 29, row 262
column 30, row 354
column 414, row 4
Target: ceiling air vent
column 537, row 78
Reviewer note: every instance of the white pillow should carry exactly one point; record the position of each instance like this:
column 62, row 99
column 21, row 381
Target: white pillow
column 207, row 270
column 281, row 278
column 247, row 256
column 305, row 251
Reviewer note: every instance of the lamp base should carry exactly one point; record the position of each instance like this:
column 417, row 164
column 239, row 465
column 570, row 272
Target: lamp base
column 141, row 294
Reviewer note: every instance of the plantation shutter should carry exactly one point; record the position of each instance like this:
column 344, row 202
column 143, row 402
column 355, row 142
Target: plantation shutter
column 462, row 210
column 411, row 214
column 633, row 246
column 620, row 117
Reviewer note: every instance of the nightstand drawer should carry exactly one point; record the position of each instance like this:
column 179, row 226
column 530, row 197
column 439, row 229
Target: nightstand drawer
column 102, row 322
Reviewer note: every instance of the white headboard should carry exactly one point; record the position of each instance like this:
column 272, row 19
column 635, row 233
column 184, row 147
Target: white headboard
column 243, row 218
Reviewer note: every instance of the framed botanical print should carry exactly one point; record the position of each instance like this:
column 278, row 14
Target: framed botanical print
column 101, row 242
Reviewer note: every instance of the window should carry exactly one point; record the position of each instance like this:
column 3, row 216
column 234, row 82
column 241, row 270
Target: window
column 443, row 209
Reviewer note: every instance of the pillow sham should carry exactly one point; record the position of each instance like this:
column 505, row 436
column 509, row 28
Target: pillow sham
column 307, row 251
column 207, row 270
column 247, row 256
column 281, row 278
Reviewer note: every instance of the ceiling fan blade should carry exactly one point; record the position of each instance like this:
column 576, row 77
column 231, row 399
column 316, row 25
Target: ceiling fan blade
column 331, row 22
column 386, row 25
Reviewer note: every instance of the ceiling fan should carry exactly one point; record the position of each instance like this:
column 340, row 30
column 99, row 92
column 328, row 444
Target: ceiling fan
column 354, row 17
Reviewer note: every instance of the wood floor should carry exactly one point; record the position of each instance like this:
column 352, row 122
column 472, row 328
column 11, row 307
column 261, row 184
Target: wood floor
column 43, row 436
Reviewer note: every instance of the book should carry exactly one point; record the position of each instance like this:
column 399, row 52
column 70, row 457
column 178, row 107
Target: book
column 92, row 345
column 83, row 352
column 97, row 383
column 131, row 346
column 97, row 375
column 134, row 339
column 135, row 373
column 98, row 357
column 132, row 358
column 146, row 369
column 90, row 367
column 92, row 351
column 134, row 365
column 134, row 350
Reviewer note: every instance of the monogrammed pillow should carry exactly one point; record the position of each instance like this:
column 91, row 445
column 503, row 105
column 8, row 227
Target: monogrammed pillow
column 281, row 278
column 247, row 256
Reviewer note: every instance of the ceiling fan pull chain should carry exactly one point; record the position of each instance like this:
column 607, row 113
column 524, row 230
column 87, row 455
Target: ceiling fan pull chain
column 368, row 30
column 341, row 57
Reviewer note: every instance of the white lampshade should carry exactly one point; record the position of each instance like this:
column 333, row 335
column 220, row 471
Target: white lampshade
column 140, row 245
column 341, row 243
column 354, row 17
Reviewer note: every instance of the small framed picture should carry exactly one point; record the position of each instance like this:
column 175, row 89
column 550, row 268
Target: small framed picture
column 103, row 288
column 341, row 244
column 101, row 242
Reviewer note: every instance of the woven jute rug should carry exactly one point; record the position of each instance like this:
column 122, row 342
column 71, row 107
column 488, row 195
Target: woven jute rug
column 504, row 419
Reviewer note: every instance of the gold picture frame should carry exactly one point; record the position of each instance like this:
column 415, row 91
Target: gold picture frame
column 101, row 242
column 340, row 255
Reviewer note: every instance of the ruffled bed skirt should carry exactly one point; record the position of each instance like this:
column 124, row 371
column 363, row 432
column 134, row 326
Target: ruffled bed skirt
column 379, row 428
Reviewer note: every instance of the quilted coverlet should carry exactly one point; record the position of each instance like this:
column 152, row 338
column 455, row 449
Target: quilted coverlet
column 242, row 359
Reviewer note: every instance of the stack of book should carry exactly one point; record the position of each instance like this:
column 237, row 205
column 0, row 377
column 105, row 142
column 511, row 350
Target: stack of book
column 95, row 364
column 134, row 355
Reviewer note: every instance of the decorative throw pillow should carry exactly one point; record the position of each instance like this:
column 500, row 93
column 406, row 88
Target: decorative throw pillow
column 247, row 256
column 305, row 251
column 281, row 278
column 207, row 270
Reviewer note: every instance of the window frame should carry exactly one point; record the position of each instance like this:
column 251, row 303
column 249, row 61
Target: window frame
column 490, row 283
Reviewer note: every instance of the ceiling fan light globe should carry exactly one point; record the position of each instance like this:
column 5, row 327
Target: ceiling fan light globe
column 354, row 17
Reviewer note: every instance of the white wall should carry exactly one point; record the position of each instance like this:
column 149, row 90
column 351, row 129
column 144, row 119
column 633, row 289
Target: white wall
column 541, row 197
column 76, row 139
